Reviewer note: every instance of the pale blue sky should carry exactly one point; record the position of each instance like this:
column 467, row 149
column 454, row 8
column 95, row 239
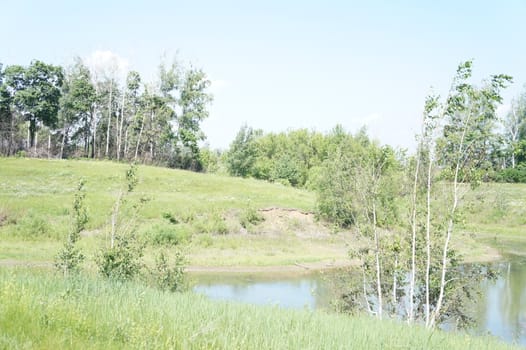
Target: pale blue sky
column 287, row 64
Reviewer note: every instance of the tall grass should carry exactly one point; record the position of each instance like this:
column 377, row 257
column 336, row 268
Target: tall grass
column 40, row 310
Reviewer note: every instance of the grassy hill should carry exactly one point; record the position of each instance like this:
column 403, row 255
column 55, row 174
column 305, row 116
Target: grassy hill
column 211, row 214
column 222, row 221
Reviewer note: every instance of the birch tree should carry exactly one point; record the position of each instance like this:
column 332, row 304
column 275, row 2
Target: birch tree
column 467, row 113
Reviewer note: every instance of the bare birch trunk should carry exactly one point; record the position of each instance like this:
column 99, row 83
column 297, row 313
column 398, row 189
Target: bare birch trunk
column 125, row 155
column 411, row 314
column 140, row 135
column 119, row 138
column 61, row 156
column 450, row 225
column 109, row 121
column 378, row 267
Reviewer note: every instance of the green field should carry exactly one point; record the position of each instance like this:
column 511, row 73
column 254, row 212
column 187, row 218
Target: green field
column 36, row 199
column 41, row 310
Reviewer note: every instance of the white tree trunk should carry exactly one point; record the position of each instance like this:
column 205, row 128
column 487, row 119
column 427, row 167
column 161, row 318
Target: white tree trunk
column 378, row 266
column 411, row 313
column 140, row 135
column 428, row 235
column 119, row 137
column 450, row 225
column 109, row 120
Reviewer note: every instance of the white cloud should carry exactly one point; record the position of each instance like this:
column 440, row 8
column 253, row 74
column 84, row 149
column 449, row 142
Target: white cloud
column 107, row 63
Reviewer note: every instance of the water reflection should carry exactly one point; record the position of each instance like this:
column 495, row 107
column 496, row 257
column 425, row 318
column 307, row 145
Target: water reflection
column 501, row 311
column 310, row 292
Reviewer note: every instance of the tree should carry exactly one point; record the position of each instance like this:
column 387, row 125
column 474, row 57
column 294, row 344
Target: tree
column 121, row 258
column 7, row 119
column 70, row 256
column 35, row 91
column 515, row 127
column 129, row 109
column 468, row 111
column 76, row 105
column 242, row 154
column 193, row 101
column 409, row 267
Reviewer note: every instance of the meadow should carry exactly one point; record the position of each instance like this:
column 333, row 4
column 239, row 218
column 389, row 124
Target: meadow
column 218, row 221
column 40, row 309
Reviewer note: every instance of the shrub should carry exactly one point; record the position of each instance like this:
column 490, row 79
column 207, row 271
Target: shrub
column 214, row 224
column 163, row 234
column 121, row 262
column 511, row 175
column 170, row 278
column 249, row 217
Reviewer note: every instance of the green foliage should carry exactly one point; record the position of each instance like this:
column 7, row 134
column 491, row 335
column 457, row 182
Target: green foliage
column 70, row 256
column 243, row 151
column 356, row 173
column 131, row 177
column 470, row 118
column 35, row 93
column 170, row 278
column 285, row 158
column 511, row 175
column 122, row 261
column 168, row 235
column 213, row 223
column 250, row 217
column 33, row 226
column 170, row 217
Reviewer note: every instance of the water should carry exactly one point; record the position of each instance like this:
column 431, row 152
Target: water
column 305, row 291
column 501, row 311
column 502, row 308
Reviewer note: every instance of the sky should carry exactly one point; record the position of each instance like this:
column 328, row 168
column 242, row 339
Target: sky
column 281, row 65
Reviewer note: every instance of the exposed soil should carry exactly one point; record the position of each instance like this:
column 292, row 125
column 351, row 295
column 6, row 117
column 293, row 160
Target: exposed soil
column 280, row 221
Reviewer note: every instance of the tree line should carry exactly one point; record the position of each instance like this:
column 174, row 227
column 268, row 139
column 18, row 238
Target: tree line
column 52, row 111
column 297, row 157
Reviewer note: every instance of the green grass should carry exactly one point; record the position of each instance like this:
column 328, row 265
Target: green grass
column 40, row 310
column 208, row 213
column 495, row 214
column 36, row 198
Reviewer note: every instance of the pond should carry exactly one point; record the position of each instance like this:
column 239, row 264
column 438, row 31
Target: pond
column 501, row 310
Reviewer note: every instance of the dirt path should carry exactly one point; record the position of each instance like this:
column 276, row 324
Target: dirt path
column 299, row 268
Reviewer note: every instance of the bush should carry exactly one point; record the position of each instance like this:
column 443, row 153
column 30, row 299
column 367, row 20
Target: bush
column 249, row 217
column 122, row 262
column 170, row 278
column 168, row 235
column 171, row 218
column 511, row 175
column 33, row 226
column 214, row 224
